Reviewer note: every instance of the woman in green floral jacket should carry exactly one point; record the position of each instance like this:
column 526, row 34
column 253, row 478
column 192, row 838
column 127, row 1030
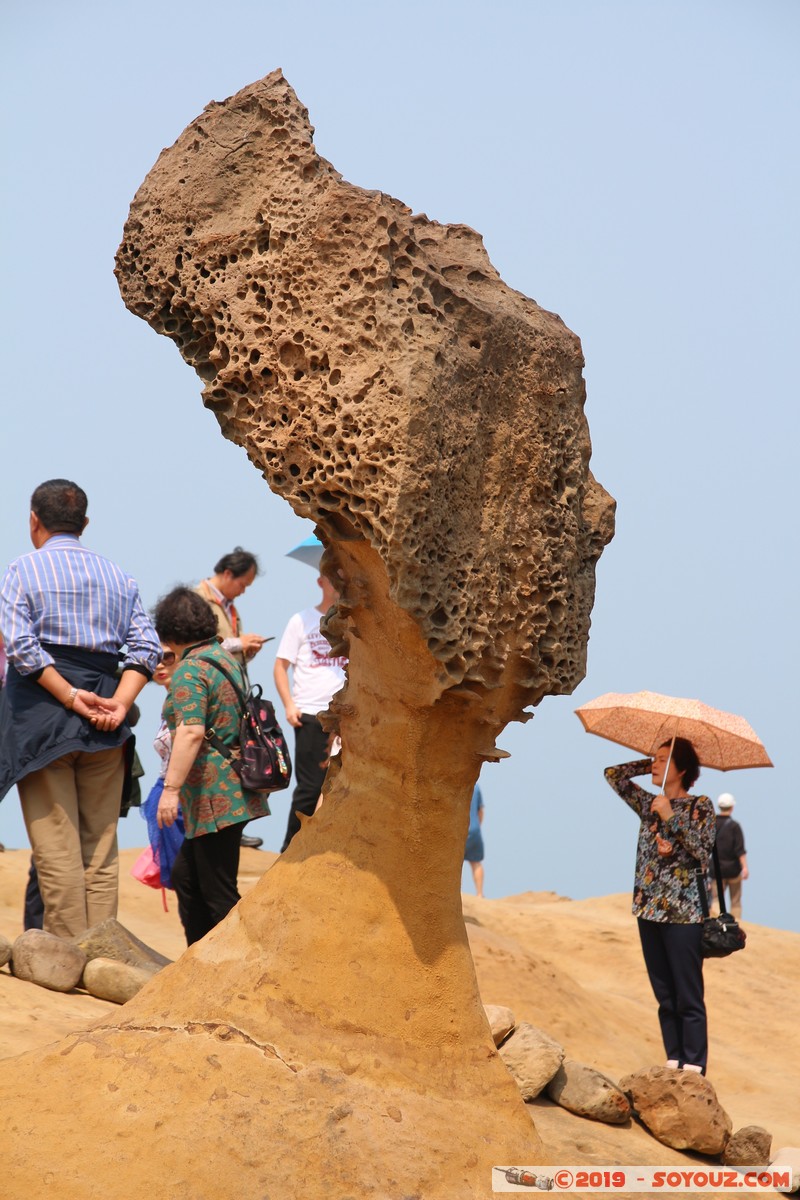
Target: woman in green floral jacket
column 215, row 808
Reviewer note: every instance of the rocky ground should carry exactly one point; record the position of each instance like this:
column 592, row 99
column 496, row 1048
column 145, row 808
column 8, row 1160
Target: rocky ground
column 572, row 968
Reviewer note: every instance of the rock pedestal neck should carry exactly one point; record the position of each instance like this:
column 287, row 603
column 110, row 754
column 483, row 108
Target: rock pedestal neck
column 328, row 1039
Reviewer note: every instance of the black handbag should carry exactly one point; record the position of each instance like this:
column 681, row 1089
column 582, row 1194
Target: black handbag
column 722, row 935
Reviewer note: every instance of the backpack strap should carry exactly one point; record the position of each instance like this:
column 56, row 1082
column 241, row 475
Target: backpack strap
column 211, row 736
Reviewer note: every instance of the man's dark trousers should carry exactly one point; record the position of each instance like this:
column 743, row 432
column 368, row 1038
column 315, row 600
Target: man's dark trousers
column 310, row 752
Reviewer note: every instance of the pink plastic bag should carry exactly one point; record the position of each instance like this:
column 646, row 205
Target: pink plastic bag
column 145, row 869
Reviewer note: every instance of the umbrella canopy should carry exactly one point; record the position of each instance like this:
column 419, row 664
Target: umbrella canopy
column 645, row 720
column 308, row 552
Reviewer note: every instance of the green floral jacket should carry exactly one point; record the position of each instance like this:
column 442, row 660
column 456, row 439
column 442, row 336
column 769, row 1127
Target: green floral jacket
column 212, row 796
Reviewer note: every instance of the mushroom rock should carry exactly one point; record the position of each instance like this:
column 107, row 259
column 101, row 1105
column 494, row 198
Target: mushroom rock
column 329, row 1036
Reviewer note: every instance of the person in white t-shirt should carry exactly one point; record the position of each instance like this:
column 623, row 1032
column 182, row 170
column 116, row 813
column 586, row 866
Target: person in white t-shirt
column 316, row 677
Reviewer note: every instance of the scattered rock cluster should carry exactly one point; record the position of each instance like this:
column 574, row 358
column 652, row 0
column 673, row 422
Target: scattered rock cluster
column 679, row 1108
column 107, row 961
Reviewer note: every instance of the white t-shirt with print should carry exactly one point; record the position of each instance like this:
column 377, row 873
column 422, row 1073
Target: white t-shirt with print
column 316, row 674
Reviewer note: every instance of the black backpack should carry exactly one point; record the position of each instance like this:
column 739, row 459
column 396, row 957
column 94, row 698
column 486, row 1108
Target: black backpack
column 263, row 763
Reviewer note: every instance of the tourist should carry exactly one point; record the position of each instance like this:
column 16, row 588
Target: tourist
column 66, row 613
column 676, row 836
column 732, row 855
column 316, row 677
column 199, row 778
column 473, row 851
column 233, row 574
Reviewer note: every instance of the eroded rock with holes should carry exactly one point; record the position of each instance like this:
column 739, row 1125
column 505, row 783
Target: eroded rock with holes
column 430, row 419
column 680, row 1108
column 749, row 1146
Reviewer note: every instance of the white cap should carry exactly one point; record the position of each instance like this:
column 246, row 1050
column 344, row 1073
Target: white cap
column 726, row 800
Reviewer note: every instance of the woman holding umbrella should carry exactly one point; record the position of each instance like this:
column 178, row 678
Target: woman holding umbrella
column 676, row 838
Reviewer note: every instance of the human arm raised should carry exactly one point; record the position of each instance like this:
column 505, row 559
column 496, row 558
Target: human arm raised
column 620, row 779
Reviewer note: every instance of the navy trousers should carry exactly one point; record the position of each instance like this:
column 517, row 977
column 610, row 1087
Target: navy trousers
column 675, row 967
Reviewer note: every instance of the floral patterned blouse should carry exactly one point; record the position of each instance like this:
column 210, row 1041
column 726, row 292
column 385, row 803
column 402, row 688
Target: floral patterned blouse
column 665, row 886
column 212, row 796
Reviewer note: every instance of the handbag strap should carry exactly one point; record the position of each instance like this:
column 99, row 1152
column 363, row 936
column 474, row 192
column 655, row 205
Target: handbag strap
column 700, row 875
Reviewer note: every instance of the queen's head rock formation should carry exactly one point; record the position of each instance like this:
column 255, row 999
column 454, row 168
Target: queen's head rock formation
column 329, row 1036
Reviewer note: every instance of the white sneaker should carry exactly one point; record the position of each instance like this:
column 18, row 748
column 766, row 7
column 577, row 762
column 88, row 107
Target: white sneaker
column 671, row 1064
column 692, row 1067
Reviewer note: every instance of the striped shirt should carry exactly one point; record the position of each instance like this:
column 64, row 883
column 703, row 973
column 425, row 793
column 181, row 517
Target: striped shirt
column 69, row 596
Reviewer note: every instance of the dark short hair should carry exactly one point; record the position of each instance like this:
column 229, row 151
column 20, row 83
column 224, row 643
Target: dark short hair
column 238, row 562
column 183, row 618
column 60, row 505
column 685, row 758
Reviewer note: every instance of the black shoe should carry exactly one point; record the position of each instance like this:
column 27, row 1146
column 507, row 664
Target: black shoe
column 252, row 842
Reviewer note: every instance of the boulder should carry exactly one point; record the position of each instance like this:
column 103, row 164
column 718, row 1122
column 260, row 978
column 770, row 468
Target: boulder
column 50, row 961
column 111, row 940
column 5, row 950
column 108, row 979
column 501, row 1021
column 588, row 1093
column 788, row 1156
column 680, row 1109
column 750, row 1146
column 532, row 1057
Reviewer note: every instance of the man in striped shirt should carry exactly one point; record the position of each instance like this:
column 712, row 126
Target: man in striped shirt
column 65, row 614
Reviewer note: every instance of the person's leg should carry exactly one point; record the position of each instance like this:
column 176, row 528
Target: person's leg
column 660, row 975
column 216, row 864
column 33, row 916
column 682, row 947
column 310, row 752
column 49, row 802
column 192, row 908
column 99, row 779
column 477, row 878
column 735, row 886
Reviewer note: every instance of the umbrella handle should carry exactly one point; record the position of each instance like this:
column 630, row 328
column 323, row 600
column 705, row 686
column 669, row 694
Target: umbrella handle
column 669, row 761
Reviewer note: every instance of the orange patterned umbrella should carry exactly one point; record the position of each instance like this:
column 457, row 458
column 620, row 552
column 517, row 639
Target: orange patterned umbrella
column 645, row 720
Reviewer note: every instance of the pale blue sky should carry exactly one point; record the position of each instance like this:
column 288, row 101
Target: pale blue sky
column 631, row 164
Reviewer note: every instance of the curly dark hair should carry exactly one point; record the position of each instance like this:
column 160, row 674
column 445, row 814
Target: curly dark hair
column 238, row 562
column 685, row 758
column 60, row 505
column 183, row 618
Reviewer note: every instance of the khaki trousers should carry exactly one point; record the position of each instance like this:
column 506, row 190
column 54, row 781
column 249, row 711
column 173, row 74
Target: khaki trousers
column 71, row 809
column 734, row 887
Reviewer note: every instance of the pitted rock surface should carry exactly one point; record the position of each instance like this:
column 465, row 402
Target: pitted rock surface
column 750, row 1146
column 384, row 379
column 680, row 1108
